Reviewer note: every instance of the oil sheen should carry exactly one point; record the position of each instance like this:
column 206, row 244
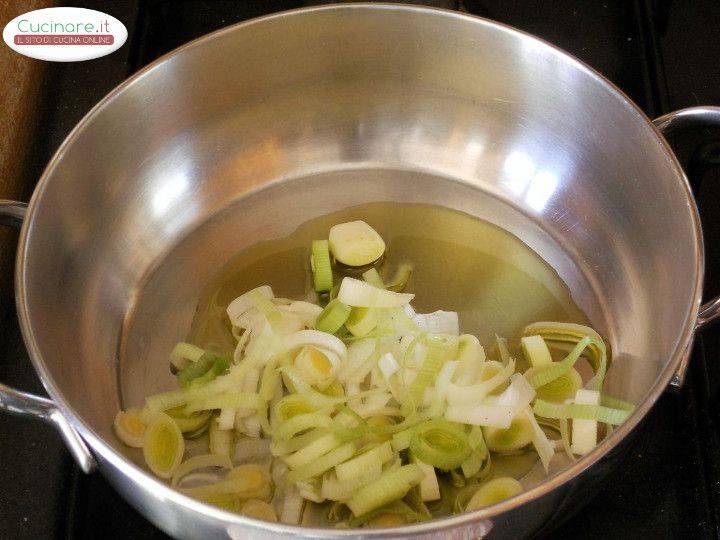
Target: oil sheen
column 495, row 282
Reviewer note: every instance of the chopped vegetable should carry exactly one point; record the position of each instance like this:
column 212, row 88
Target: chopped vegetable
column 356, row 293
column 332, row 317
column 391, row 486
column 130, row 428
column 163, row 446
column 365, row 406
column 355, row 243
column 584, row 432
column 440, row 443
column 321, row 266
column 362, row 321
column 493, row 492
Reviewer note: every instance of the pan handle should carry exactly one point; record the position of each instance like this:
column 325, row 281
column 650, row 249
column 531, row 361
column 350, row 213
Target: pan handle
column 682, row 120
column 14, row 401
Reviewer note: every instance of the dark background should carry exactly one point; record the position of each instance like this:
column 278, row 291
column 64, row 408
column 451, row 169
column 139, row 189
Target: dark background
column 664, row 55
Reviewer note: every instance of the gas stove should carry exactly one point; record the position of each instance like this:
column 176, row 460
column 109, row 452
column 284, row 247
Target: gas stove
column 663, row 54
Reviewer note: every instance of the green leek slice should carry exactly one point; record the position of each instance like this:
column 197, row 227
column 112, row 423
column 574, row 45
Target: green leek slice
column 322, row 464
column 550, row 372
column 361, row 321
column 584, row 412
column 369, row 460
column 434, row 359
column 163, row 446
column 391, row 486
column 440, row 443
column 560, row 389
column 556, row 333
column 321, row 266
column 332, row 317
column 318, row 448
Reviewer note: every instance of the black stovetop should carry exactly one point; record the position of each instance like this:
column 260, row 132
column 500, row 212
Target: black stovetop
column 664, row 55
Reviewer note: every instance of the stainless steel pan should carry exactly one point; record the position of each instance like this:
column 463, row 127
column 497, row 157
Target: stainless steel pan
column 244, row 134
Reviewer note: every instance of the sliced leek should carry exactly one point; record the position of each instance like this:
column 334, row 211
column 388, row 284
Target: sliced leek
column 321, row 266
column 259, row 510
column 493, row 492
column 163, row 446
column 130, row 428
column 560, row 389
column 362, row 321
column 355, row 243
column 351, row 399
column 440, row 443
column 518, row 435
column 356, row 293
column 332, row 317
column 391, row 486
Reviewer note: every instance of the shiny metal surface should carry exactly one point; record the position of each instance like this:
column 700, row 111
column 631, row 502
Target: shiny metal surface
column 12, row 213
column 682, row 120
column 244, row 134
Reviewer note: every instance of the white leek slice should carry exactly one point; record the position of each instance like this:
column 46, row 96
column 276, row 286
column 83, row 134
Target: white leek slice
column 355, row 243
column 202, row 461
column 220, row 440
column 499, row 416
column 543, row 446
column 335, row 490
column 388, row 365
column 474, row 394
column 536, row 350
column 518, row 394
column 130, row 427
column 226, row 418
column 471, row 356
column 184, row 353
column 317, row 367
column 310, row 490
column 356, row 293
column 493, row 492
column 357, row 353
column 584, row 432
column 249, row 449
column 259, row 510
column 429, row 487
column 305, row 311
column 293, row 505
column 315, row 338
column 244, row 302
column 442, row 385
column 247, row 481
column 518, row 435
column 438, row 322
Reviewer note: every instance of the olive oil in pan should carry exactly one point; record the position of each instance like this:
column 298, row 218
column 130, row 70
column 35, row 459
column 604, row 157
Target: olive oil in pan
column 493, row 280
